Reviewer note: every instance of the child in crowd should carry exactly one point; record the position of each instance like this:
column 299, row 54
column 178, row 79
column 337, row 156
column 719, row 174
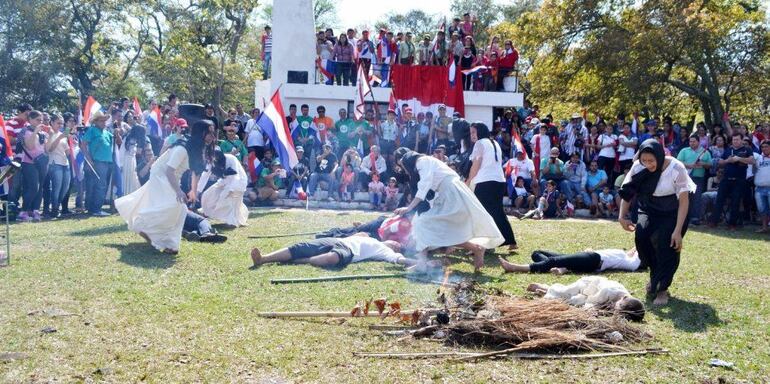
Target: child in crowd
column 391, row 195
column 547, row 205
column 376, row 191
column 521, row 196
column 347, row 183
column 606, row 202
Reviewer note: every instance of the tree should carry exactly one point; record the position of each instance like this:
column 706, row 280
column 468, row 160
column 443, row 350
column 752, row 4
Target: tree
column 325, row 14
column 614, row 56
column 486, row 13
column 416, row 21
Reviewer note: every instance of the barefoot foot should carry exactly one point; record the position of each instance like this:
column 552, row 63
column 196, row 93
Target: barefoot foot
column 256, row 257
column 511, row 267
column 145, row 237
column 559, row 271
column 478, row 258
column 661, row 298
column 170, row 251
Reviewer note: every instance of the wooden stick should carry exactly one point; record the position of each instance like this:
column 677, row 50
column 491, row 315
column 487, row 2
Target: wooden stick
column 319, row 314
column 335, row 278
column 490, row 354
column 388, row 327
column 415, row 355
column 462, row 356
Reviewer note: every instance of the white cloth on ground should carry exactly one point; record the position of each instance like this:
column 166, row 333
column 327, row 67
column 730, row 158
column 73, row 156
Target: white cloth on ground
column 455, row 215
column 223, row 201
column 154, row 209
column 589, row 291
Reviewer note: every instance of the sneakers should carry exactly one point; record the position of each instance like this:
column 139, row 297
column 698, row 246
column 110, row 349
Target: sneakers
column 23, row 217
column 100, row 214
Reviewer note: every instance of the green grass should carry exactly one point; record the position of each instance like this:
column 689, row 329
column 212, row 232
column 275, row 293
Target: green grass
column 142, row 316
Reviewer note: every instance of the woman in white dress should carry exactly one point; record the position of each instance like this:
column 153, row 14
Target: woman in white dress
column 157, row 210
column 135, row 143
column 448, row 214
column 661, row 186
column 223, row 201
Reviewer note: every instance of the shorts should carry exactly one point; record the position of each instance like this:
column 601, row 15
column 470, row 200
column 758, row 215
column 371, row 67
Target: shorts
column 762, row 196
column 315, row 247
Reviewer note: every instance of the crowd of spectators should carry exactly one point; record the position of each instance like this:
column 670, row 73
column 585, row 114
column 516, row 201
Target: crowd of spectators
column 553, row 168
column 340, row 56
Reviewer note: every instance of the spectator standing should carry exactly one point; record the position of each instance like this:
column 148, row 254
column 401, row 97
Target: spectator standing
column 423, row 51
column 232, row 144
column 508, row 62
column 134, row 145
column 627, row 143
column 267, row 52
column 343, row 56
column 388, row 135
column 440, row 49
column 762, row 183
column 255, row 138
column 735, row 160
column 323, row 125
column 96, row 146
column 697, row 160
column 466, row 27
column 304, row 133
column 456, row 47
column 58, row 151
column 466, row 62
column 455, row 27
column 365, row 52
column 406, row 50
column 573, row 136
column 607, row 149
column 541, row 147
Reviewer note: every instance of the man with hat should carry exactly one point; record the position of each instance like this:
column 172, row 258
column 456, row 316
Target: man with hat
column 408, row 134
column 270, row 181
column 573, row 136
column 388, row 135
column 96, row 146
column 441, row 129
column 423, row 51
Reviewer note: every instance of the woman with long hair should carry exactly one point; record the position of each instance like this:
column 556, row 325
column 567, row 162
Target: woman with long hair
column 34, row 166
column 487, row 180
column 447, row 212
column 662, row 188
column 134, row 145
column 223, row 201
column 157, row 210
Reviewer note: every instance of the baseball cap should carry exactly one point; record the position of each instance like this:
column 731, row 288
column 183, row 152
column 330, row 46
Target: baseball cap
column 180, row 122
column 299, row 149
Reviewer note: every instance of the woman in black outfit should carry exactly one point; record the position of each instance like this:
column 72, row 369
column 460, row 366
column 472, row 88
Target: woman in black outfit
column 661, row 186
column 487, row 173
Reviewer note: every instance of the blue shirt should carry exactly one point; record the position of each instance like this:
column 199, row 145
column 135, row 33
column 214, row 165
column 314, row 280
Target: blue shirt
column 99, row 143
column 593, row 179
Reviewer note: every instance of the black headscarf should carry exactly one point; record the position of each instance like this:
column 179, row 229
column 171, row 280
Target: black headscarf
column 219, row 165
column 195, row 144
column 138, row 136
column 643, row 184
column 409, row 159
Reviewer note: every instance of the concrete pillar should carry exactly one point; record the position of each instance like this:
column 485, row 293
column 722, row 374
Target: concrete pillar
column 294, row 43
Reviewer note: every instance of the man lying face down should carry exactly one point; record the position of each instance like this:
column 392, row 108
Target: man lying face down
column 594, row 292
column 339, row 252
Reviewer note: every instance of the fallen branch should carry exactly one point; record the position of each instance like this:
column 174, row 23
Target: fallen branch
column 463, row 356
column 314, row 314
column 335, row 278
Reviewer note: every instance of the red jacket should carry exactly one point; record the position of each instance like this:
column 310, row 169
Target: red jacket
column 510, row 60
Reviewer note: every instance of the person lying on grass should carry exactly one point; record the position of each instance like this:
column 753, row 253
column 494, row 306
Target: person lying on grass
column 338, row 253
column 588, row 261
column 594, row 292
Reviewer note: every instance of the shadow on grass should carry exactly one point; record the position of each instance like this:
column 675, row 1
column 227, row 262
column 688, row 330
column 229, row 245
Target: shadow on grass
column 256, row 214
column 97, row 231
column 746, row 233
column 688, row 316
column 143, row 255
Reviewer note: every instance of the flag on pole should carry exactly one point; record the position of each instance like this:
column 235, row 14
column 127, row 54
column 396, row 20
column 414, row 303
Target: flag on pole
column 153, row 121
column 91, row 106
column 474, row 69
column 137, row 108
column 362, row 90
column 273, row 124
column 452, row 73
column 4, row 132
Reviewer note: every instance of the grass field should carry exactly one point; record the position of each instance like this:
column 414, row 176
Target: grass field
column 137, row 315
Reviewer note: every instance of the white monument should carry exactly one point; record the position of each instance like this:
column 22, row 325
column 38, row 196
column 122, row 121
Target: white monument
column 293, row 69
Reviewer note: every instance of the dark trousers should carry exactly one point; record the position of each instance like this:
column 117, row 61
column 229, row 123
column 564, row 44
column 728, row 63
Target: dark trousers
column 96, row 185
column 196, row 223
column 490, row 194
column 342, row 74
column 694, row 211
column 608, row 165
column 653, row 243
column 370, row 227
column 582, row 262
column 34, row 175
column 733, row 189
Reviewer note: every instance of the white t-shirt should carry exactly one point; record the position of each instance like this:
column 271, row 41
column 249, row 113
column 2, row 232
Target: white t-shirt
column 626, row 153
column 674, row 180
column 618, row 259
column 255, row 137
column 545, row 145
column 606, row 139
column 369, row 249
column 762, row 170
column 491, row 169
column 523, row 168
